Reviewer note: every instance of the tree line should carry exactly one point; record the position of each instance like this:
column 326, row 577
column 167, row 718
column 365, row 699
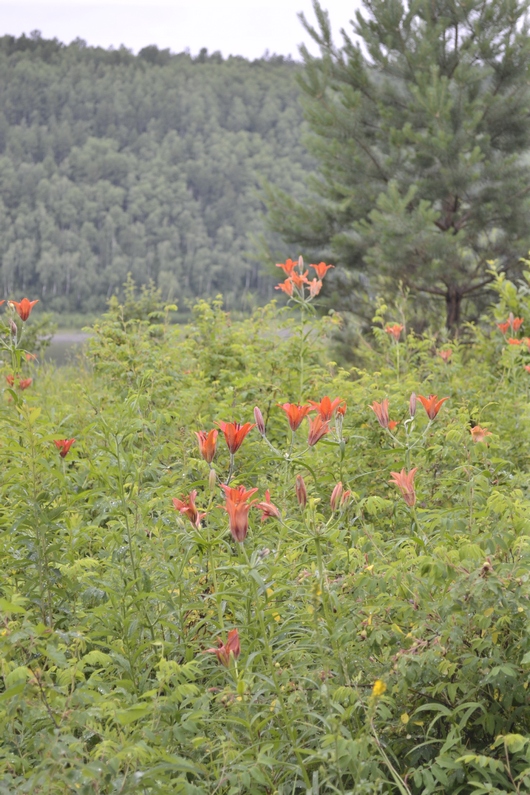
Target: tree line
column 112, row 163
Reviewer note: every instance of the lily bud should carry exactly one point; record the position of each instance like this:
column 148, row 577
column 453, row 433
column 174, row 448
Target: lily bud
column 412, row 405
column 301, row 491
column 335, row 496
column 345, row 499
column 13, row 327
column 260, row 423
column 212, row 479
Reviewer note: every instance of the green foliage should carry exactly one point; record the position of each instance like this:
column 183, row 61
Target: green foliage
column 384, row 642
column 422, row 142
column 112, row 163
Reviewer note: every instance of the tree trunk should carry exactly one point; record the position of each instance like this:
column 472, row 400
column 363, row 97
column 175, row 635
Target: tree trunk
column 453, row 300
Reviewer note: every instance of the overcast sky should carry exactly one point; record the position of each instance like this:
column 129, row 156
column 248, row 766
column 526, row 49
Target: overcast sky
column 235, row 27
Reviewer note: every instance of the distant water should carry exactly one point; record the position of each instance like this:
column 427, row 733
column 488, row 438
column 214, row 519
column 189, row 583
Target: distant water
column 65, row 346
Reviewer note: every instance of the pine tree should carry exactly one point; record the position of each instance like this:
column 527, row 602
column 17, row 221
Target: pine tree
column 421, row 130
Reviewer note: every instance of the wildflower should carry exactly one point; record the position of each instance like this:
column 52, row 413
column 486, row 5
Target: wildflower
column 260, row 422
column 31, row 357
column 478, row 434
column 393, row 424
column 504, row 326
column 445, row 354
column 405, row 483
column 527, row 368
column 381, row 412
column 514, row 341
column 412, row 405
column 225, row 650
column 336, row 495
column 299, row 279
column 235, row 433
column 237, row 509
column 63, row 445
column 287, row 286
column 432, row 405
column 345, row 499
column 516, row 322
column 23, row 308
column 188, row 508
column 301, row 491
column 270, row 511
column 315, row 286
column 288, row 266
column 295, row 413
column 24, row 383
column 317, row 429
column 379, row 688
column 341, row 410
column 10, row 379
column 326, row 407
column 207, row 444
column 321, row 269
column 395, row 330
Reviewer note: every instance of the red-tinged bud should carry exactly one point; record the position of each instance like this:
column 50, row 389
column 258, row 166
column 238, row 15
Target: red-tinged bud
column 336, row 494
column 412, row 405
column 13, row 327
column 346, row 497
column 301, row 491
column 212, row 479
column 260, row 422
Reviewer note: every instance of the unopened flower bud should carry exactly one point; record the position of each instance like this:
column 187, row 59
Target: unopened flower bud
column 336, row 494
column 260, row 423
column 301, row 263
column 412, row 405
column 13, row 327
column 212, row 479
column 345, row 499
column 301, row 491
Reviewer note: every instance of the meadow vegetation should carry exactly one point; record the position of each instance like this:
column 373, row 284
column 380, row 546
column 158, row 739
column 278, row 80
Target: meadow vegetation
column 340, row 608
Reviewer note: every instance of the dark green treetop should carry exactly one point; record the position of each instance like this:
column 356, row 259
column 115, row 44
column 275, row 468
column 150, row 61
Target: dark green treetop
column 421, row 130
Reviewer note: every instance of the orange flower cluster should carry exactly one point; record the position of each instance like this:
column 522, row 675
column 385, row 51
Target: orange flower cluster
column 297, row 282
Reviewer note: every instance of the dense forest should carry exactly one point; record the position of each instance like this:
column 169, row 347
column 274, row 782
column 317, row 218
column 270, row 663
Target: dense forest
column 112, row 163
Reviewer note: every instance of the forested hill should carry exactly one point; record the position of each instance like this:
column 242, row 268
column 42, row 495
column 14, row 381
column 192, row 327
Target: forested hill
column 151, row 164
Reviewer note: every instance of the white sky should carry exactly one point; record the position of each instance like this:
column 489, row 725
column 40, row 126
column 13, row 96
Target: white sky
column 235, row 27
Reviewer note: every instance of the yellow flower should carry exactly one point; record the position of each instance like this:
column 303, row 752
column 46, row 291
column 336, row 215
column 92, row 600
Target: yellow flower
column 378, row 688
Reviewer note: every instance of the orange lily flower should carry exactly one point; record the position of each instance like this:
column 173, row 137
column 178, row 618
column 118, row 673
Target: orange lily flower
column 188, row 508
column 23, row 308
column 237, row 509
column 270, row 511
column 315, row 286
column 299, row 279
column 63, row 445
column 326, row 408
column 10, row 379
column 24, row 383
column 527, row 368
column 381, row 412
column 207, row 444
column 514, row 341
column 504, row 326
column 395, row 330
column 317, row 429
column 295, row 413
column 288, row 266
column 321, row 269
column 405, row 483
column 516, row 323
column 478, row 434
column 235, row 433
column 232, row 648
column 342, row 409
column 301, row 491
column 393, row 424
column 432, row 405
column 287, row 286
column 445, row 354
